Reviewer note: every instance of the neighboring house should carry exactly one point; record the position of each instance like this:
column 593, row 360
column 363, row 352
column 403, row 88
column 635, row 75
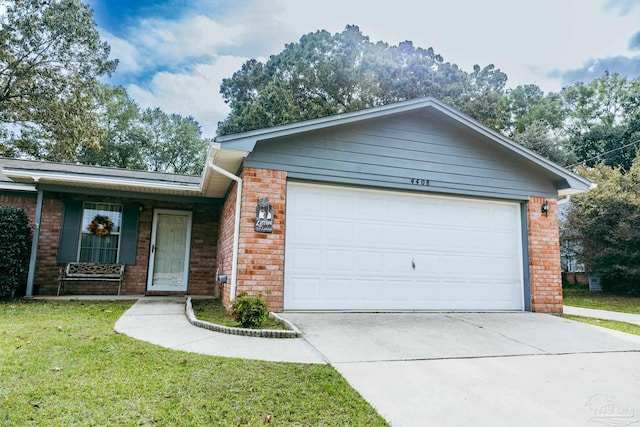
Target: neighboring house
column 409, row 206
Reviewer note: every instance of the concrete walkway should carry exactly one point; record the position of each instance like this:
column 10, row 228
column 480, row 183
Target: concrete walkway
column 162, row 321
column 603, row 314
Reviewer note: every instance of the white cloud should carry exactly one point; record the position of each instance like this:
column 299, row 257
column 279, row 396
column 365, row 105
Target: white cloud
column 194, row 93
column 533, row 42
column 129, row 61
column 195, row 36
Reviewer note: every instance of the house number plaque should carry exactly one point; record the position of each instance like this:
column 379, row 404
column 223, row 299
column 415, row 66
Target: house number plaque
column 264, row 216
column 420, row 181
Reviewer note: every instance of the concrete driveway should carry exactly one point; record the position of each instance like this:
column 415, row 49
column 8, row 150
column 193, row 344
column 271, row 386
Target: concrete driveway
column 482, row 369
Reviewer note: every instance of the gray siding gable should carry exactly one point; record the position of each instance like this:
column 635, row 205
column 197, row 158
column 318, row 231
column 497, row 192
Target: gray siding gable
column 396, row 150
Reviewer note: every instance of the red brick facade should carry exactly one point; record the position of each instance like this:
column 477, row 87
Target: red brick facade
column 204, row 236
column 544, row 257
column 260, row 255
column 224, row 259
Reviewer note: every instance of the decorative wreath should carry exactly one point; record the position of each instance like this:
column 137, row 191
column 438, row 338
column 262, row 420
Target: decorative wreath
column 100, row 226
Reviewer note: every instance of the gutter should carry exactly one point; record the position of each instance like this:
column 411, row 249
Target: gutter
column 236, row 227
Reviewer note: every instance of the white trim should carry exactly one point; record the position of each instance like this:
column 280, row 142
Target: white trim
column 18, row 186
column 236, row 228
column 187, row 254
column 82, row 179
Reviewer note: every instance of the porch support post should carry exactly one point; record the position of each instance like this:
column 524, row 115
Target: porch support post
column 34, row 246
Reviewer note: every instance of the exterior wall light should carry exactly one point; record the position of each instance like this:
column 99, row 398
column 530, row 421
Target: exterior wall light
column 545, row 208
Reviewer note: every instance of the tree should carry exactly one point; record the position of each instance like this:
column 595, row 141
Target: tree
column 537, row 137
column 605, row 224
column 51, row 57
column 528, row 104
column 602, row 120
column 326, row 74
column 122, row 140
column 174, row 144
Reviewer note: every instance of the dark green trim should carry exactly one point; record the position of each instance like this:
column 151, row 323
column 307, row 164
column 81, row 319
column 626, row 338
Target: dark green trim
column 129, row 234
column 70, row 231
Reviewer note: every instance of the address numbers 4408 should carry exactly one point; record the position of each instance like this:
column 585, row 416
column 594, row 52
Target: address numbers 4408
column 420, row 181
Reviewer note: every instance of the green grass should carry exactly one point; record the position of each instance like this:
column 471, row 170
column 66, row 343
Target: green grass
column 212, row 311
column 62, row 364
column 601, row 301
column 611, row 324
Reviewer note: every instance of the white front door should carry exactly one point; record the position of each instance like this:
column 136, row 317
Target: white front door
column 169, row 257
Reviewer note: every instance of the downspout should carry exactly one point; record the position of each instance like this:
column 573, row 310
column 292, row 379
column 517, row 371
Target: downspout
column 236, row 228
column 34, row 246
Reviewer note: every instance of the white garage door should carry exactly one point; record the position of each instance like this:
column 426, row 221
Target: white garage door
column 353, row 249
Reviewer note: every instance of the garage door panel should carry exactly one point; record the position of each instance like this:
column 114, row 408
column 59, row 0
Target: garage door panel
column 368, row 208
column 308, row 289
column 307, row 260
column 454, row 212
column 453, row 265
column 453, row 239
column 336, row 289
column 397, row 290
column 398, row 263
column 424, row 213
column 306, row 230
column 396, row 236
column 336, row 232
column 426, row 291
column 425, row 237
column 367, row 289
column 368, row 233
column 338, row 261
column 368, row 263
column 356, row 250
column 341, row 207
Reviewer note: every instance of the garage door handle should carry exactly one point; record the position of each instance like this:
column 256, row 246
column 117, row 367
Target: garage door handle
column 413, row 264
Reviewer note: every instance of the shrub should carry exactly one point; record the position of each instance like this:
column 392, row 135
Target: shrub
column 15, row 247
column 249, row 311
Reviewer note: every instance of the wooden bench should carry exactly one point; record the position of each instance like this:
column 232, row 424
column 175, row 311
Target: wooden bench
column 90, row 272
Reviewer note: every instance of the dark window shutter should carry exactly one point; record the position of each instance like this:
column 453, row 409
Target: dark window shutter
column 70, row 232
column 129, row 234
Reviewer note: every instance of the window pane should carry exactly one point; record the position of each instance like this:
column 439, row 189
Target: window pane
column 96, row 247
column 113, row 212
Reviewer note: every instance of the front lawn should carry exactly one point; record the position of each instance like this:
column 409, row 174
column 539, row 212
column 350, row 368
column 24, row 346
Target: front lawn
column 629, row 328
column 62, row 364
column 600, row 301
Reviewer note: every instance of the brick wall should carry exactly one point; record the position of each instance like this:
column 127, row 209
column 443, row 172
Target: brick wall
column 260, row 255
column 225, row 244
column 544, row 257
column 24, row 200
column 203, row 246
column 47, row 268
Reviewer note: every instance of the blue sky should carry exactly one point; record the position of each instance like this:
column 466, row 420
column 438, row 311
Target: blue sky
column 174, row 53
